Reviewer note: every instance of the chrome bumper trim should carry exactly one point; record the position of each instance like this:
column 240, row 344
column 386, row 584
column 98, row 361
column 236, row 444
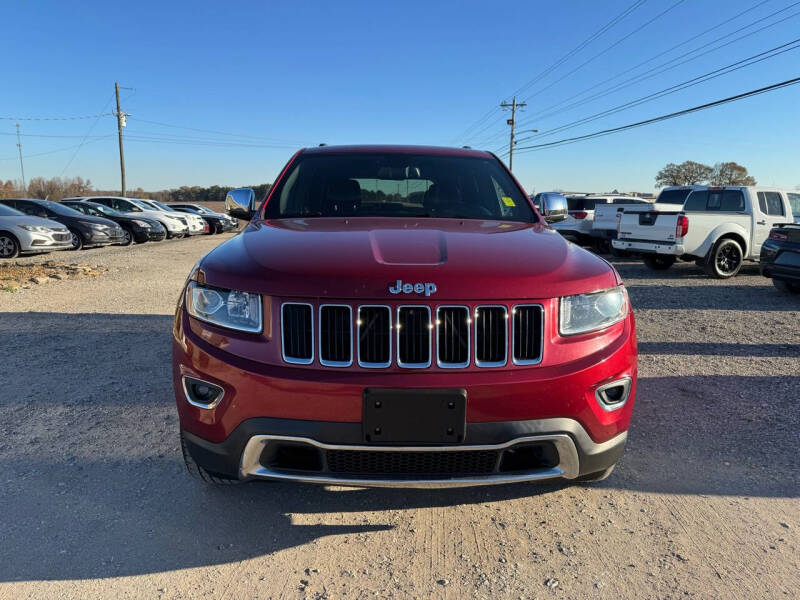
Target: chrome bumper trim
column 568, row 467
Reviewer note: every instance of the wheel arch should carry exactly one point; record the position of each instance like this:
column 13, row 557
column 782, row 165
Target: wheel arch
column 726, row 231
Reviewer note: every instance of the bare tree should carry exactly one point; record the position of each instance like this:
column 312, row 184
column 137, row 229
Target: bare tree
column 687, row 173
column 731, row 173
column 57, row 188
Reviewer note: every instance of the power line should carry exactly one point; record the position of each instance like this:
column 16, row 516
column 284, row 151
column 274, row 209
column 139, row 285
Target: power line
column 55, row 118
column 553, row 66
column 666, row 65
column 668, row 116
column 240, row 135
column 57, row 150
column 741, row 64
column 85, row 137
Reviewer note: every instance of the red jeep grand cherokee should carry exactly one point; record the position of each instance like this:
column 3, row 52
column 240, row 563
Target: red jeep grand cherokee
column 401, row 316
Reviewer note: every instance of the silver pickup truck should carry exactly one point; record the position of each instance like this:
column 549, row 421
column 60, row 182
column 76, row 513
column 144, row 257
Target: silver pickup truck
column 718, row 227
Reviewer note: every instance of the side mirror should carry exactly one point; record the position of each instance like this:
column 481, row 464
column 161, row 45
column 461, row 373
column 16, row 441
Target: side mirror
column 241, row 203
column 553, row 207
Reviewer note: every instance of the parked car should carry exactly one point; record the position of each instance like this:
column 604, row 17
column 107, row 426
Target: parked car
column 780, row 253
column 217, row 222
column 606, row 216
column 578, row 224
column 85, row 231
column 176, row 227
column 134, row 229
column 196, row 223
column 718, row 227
column 414, row 322
column 23, row 234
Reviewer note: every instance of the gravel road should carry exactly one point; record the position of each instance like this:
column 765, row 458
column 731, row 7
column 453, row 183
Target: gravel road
column 96, row 503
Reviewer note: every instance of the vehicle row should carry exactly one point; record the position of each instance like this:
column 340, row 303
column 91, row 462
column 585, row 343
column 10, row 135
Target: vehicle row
column 719, row 228
column 32, row 226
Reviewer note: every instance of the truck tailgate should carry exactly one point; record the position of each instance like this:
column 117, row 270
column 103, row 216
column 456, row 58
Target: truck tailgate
column 605, row 216
column 651, row 225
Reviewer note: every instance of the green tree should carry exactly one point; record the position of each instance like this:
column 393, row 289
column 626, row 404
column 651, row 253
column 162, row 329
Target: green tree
column 687, row 173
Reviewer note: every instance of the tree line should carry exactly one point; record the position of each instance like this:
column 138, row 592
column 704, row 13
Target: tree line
column 57, row 188
column 692, row 173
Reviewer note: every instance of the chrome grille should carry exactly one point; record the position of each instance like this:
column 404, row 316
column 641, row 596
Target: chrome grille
column 491, row 336
column 374, row 336
column 452, row 336
column 297, row 338
column 527, row 334
column 335, row 335
column 414, row 332
column 408, row 336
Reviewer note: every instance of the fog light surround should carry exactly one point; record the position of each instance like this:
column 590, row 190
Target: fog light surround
column 613, row 395
column 202, row 394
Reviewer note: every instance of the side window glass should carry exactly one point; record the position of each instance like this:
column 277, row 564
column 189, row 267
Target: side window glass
column 794, row 202
column 762, row 202
column 774, row 203
column 696, row 201
column 714, row 200
column 732, row 201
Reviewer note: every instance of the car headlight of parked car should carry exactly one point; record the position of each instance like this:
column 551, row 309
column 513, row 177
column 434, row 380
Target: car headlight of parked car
column 95, row 226
column 590, row 312
column 142, row 224
column 36, row 228
column 226, row 308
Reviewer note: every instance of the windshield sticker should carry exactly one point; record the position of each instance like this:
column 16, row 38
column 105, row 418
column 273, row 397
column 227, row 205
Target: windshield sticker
column 508, row 201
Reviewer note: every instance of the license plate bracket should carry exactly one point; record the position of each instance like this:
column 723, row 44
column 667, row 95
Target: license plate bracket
column 414, row 416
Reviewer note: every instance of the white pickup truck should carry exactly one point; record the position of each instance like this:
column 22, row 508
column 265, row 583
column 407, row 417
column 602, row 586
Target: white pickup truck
column 718, row 227
column 578, row 225
column 606, row 216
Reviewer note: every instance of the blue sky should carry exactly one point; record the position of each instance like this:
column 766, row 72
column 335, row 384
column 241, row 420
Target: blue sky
column 288, row 74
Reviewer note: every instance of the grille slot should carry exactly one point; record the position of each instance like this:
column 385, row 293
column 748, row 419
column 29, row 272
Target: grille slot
column 297, row 333
column 491, row 336
column 374, row 336
column 463, row 462
column 414, row 336
column 452, row 336
column 335, row 335
column 527, row 334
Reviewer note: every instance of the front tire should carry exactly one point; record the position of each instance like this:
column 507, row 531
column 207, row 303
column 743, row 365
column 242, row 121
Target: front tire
column 782, row 286
column 199, row 472
column 127, row 237
column 9, row 246
column 659, row 262
column 77, row 240
column 725, row 259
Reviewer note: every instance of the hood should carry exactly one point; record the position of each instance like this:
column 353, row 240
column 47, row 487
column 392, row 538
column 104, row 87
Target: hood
column 32, row 221
column 363, row 257
column 92, row 219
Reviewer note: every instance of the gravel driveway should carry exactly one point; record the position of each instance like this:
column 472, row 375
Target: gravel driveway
column 96, row 503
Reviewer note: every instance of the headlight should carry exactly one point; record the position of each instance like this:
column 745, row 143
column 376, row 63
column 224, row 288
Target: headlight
column 142, row 224
column 36, row 228
column 589, row 312
column 95, row 226
column 226, row 308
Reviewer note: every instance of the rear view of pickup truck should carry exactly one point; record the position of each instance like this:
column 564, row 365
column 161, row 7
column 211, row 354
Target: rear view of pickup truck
column 719, row 228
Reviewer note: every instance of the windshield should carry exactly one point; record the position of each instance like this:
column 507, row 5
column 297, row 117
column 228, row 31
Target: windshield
column 673, row 196
column 581, row 203
column 105, row 210
column 162, row 206
column 7, row 211
column 398, row 185
column 59, row 209
column 140, row 204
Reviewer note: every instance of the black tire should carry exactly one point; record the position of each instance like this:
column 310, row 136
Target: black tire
column 658, row 262
column 602, row 246
column 619, row 253
column 782, row 286
column 9, row 245
column 199, row 472
column 127, row 237
column 77, row 240
column 724, row 260
column 597, row 476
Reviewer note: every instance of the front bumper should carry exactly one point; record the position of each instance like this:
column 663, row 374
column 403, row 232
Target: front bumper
column 649, row 247
column 254, row 449
column 33, row 242
column 102, row 238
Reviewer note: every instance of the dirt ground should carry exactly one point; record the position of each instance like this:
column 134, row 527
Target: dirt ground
column 96, row 503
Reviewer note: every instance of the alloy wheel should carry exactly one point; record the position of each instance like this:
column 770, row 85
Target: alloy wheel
column 728, row 259
column 8, row 247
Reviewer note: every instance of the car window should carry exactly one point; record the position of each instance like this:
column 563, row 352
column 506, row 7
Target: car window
column 7, row 211
column 673, row 196
column 398, row 185
column 794, row 202
column 770, row 203
column 32, row 209
column 715, row 200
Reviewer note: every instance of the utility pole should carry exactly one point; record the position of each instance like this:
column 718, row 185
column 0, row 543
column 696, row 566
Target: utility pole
column 21, row 166
column 512, row 121
column 120, row 124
